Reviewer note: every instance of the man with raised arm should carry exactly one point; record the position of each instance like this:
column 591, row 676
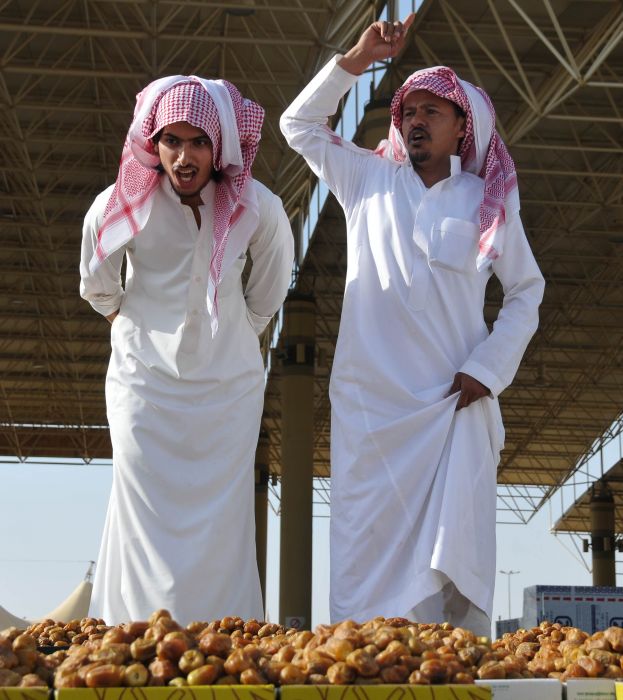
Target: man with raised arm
column 416, row 427
column 185, row 383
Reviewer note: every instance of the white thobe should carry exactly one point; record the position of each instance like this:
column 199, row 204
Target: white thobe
column 184, row 410
column 413, row 482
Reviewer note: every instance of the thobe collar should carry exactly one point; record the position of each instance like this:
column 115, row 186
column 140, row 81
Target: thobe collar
column 455, row 166
column 455, row 169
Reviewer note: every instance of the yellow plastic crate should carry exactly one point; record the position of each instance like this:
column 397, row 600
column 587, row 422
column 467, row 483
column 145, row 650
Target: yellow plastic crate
column 385, row 692
column 191, row 692
column 24, row 693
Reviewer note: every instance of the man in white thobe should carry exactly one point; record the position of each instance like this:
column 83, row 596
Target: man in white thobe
column 185, row 383
column 416, row 428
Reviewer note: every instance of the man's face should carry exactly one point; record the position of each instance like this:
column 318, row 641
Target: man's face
column 186, row 156
column 431, row 129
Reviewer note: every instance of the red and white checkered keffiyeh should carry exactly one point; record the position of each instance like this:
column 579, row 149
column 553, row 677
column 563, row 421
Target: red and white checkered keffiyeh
column 233, row 125
column 482, row 151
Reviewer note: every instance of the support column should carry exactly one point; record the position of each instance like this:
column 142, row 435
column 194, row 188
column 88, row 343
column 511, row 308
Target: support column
column 297, row 456
column 602, row 535
column 261, row 506
column 374, row 128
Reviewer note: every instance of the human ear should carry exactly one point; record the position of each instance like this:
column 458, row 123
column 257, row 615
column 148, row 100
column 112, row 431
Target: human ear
column 462, row 127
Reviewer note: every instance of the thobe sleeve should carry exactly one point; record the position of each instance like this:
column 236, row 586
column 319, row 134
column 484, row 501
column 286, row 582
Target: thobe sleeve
column 494, row 361
column 337, row 161
column 103, row 288
column 272, row 251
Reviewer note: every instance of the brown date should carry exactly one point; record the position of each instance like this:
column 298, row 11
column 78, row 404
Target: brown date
column 214, row 643
column 32, row 680
column 9, row 678
column 135, row 675
column 340, row 673
column 252, row 676
column 162, row 670
column 291, row 675
column 67, row 679
column 491, row 670
column 172, row 645
column 143, row 649
column 104, row 676
column 136, row 628
column 190, row 660
column 237, row 662
column 394, row 674
column 363, row 663
column 204, row 675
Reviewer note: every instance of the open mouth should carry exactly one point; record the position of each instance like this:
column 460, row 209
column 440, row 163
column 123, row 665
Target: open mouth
column 417, row 137
column 185, row 175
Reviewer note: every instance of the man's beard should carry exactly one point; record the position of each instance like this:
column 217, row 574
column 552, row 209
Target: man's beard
column 179, row 193
column 419, row 157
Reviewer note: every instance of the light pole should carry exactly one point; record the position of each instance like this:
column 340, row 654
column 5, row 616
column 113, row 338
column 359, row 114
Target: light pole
column 509, row 573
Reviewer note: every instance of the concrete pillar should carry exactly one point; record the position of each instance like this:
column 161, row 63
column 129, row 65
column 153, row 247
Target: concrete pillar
column 297, row 456
column 375, row 123
column 602, row 535
column 261, row 506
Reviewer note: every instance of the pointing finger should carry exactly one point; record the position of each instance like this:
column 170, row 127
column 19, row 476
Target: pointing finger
column 408, row 22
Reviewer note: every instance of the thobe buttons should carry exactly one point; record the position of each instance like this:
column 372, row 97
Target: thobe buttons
column 195, row 312
column 198, row 278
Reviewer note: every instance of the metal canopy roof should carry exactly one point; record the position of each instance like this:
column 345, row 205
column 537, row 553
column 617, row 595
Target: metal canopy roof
column 555, row 72
column 68, row 76
column 69, row 73
column 577, row 518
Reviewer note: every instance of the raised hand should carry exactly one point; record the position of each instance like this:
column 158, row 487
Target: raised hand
column 381, row 40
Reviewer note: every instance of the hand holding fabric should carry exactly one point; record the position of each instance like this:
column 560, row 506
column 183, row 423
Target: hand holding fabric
column 471, row 390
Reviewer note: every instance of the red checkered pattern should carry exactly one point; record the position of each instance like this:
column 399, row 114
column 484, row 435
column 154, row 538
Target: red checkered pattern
column 164, row 102
column 497, row 168
column 186, row 102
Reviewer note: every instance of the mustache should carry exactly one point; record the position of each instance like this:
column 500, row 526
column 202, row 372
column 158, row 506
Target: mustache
column 184, row 167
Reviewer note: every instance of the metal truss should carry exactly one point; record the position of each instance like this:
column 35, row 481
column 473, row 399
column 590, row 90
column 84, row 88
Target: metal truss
column 321, row 497
column 69, row 73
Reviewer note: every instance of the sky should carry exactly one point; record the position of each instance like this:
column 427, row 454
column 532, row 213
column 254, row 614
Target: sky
column 51, row 520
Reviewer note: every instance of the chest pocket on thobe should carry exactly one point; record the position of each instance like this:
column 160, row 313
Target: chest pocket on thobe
column 454, row 245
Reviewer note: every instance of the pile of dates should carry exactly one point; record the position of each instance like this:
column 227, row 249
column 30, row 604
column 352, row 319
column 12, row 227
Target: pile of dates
column 21, row 663
column 58, row 634
column 555, row 651
column 232, row 651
